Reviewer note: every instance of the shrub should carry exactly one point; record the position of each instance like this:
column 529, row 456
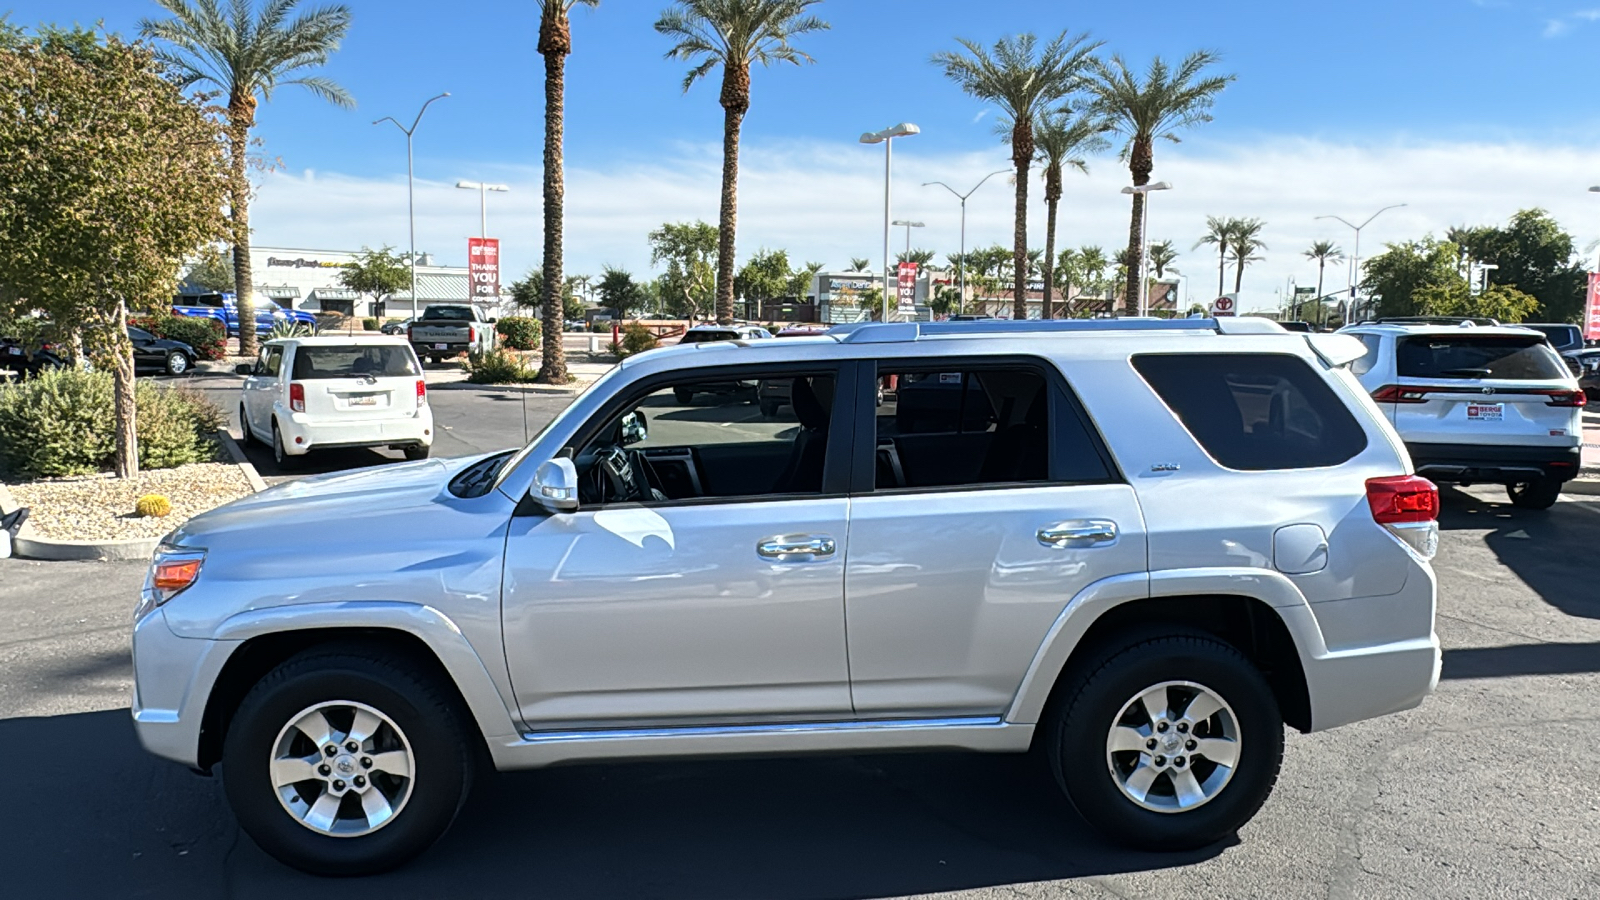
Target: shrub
column 63, row 423
column 370, row 323
column 207, row 336
column 636, row 338
column 288, row 329
column 498, row 367
column 153, row 506
column 519, row 332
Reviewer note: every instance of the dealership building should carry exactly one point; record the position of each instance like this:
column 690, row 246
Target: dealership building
column 309, row 280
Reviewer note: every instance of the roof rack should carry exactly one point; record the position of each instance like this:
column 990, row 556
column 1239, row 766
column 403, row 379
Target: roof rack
column 1434, row 320
column 900, row 332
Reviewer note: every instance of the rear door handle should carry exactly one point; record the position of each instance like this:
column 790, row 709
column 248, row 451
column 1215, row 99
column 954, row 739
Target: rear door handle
column 1080, row 533
column 796, row 547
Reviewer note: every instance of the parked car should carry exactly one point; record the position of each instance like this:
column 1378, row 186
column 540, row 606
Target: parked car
column 449, row 331
column 1589, row 372
column 307, row 394
column 1477, row 404
column 706, row 334
column 17, row 364
column 1171, row 540
column 222, row 308
column 160, row 354
column 397, row 328
column 1566, row 339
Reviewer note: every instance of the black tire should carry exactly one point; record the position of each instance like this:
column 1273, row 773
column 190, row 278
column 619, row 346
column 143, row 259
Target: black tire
column 424, row 710
column 1089, row 703
column 178, row 363
column 416, row 452
column 682, row 395
column 245, row 437
column 1541, row 494
column 280, row 456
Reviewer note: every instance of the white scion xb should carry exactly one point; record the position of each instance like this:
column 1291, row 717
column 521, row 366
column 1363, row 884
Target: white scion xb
column 314, row 393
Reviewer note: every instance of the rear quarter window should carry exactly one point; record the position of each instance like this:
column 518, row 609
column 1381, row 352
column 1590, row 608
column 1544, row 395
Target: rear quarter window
column 1513, row 357
column 1255, row 411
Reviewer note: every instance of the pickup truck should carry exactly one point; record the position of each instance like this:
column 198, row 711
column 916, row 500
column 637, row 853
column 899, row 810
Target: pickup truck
column 222, row 308
column 445, row 332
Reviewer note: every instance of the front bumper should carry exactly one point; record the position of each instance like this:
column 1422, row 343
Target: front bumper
column 172, row 680
column 1493, row 464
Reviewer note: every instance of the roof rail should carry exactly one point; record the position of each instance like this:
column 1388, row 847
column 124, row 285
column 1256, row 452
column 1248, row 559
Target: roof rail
column 1432, row 320
column 900, row 332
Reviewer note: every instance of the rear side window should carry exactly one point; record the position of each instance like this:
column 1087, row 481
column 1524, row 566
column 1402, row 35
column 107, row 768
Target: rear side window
column 1478, row 356
column 1362, row 366
column 355, row 361
column 701, row 337
column 1255, row 411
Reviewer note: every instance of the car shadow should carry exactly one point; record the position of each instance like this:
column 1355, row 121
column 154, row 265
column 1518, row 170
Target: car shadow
column 1521, row 659
column 320, row 462
column 1539, row 546
column 105, row 819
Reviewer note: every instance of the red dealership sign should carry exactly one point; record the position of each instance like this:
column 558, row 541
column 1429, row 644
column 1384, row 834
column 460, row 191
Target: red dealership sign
column 908, row 289
column 483, row 268
column 1591, row 310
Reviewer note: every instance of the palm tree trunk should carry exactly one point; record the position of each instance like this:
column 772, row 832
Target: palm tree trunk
column 1052, row 198
column 124, row 407
column 735, row 103
column 1141, row 162
column 1238, row 276
column 1022, row 155
column 1222, row 269
column 240, row 116
column 555, row 42
column 1322, row 265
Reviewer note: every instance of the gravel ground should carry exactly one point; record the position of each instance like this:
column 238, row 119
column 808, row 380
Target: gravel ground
column 100, row 507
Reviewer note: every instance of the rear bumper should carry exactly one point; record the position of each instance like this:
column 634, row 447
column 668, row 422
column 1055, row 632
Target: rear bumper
column 1492, row 464
column 302, row 436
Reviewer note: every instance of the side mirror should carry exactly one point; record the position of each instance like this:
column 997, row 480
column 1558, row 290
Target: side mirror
column 493, row 320
column 244, row 369
column 635, row 429
column 555, row 485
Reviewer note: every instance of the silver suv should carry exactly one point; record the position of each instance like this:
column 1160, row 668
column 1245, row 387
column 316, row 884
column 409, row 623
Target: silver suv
column 1139, row 547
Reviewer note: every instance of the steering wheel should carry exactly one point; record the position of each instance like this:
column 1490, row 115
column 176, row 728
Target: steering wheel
column 616, row 467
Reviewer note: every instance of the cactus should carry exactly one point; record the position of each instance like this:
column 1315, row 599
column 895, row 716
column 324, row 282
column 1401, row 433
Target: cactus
column 153, row 506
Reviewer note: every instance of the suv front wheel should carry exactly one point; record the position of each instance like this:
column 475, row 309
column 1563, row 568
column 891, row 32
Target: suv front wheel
column 346, row 762
column 1168, row 743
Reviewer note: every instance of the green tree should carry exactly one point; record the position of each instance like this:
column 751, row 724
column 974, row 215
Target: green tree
column 859, row 264
column 689, row 252
column 1065, row 274
column 1162, row 256
column 246, row 55
column 1065, row 141
column 377, row 272
column 764, row 277
column 1152, row 107
column 804, row 279
column 734, row 34
column 555, row 45
column 1396, row 275
column 1322, row 253
column 528, row 292
column 211, row 271
column 1455, row 298
column 1245, row 242
column 1092, row 264
column 917, row 255
column 620, row 293
column 1534, row 255
column 112, row 179
column 1219, row 234
column 1023, row 80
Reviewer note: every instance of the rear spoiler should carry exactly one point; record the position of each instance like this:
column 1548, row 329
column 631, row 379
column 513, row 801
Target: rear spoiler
column 1336, row 349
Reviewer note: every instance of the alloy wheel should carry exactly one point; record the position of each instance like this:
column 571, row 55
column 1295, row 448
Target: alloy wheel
column 1173, row 747
column 342, row 769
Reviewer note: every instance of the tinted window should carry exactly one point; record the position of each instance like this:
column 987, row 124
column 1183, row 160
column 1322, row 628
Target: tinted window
column 453, row 313
column 140, row 335
column 701, row 337
column 1478, row 356
column 1255, row 411
column 1562, row 337
column 354, row 361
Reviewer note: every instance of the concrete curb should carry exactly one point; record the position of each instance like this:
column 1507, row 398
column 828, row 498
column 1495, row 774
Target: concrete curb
column 1586, row 486
column 239, row 459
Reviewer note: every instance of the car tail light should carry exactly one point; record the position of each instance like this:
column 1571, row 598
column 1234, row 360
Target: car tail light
column 1567, row 398
column 1408, row 506
column 472, row 334
column 1394, row 393
column 422, row 392
column 297, row 397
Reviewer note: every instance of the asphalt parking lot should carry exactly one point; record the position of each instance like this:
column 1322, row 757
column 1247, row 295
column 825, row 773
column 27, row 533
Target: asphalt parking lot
column 1490, row 789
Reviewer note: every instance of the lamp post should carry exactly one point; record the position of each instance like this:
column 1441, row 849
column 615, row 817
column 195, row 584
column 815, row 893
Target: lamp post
column 1596, row 190
column 1355, row 261
column 961, row 267
column 886, row 138
column 483, row 201
column 908, row 226
column 411, row 192
column 1144, row 240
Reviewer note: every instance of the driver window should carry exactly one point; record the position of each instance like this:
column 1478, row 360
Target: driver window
column 271, row 361
column 694, row 440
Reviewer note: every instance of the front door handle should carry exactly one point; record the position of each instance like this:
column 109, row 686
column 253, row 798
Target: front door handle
column 1081, row 533
column 796, row 547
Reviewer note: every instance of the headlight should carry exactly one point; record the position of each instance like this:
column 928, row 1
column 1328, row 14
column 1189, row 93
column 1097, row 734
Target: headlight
column 172, row 570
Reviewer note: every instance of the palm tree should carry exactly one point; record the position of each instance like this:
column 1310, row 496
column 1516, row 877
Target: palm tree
column 918, row 255
column 1322, row 253
column 1092, row 264
column 858, row 264
column 1064, row 140
column 1162, row 256
column 734, row 34
column 1146, row 109
column 1246, row 241
column 1063, row 271
column 1219, row 234
column 246, row 56
column 555, row 45
column 1024, row 82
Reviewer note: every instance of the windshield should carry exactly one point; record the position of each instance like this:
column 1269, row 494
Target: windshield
column 1478, row 356
column 354, row 361
column 700, row 337
column 458, row 313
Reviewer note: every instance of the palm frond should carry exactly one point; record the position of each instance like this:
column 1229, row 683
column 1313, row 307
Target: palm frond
column 741, row 33
column 248, row 53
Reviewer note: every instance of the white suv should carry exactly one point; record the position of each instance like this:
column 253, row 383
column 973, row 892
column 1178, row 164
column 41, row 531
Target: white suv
column 316, row 393
column 1142, row 547
column 1477, row 404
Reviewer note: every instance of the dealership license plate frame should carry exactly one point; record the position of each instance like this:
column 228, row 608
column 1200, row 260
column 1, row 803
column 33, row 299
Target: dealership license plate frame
column 1486, row 412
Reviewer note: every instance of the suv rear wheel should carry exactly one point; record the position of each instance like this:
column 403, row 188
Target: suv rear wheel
column 1167, row 743
column 346, row 762
column 1541, row 494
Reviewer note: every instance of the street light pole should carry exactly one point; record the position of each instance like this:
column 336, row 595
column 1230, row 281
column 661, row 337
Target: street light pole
column 1144, row 240
column 886, row 138
column 961, row 265
column 1355, row 261
column 411, row 191
column 483, row 201
column 908, row 226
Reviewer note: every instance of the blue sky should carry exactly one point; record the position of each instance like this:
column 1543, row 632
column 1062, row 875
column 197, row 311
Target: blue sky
column 1350, row 85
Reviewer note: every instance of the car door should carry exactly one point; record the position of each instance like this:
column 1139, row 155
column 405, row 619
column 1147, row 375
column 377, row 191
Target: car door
column 261, row 389
column 983, row 504
column 717, row 600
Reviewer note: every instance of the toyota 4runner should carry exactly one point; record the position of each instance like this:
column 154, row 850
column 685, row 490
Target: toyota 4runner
column 1141, row 548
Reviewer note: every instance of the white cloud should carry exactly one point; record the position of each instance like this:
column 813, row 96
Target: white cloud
column 825, row 202
column 1554, row 28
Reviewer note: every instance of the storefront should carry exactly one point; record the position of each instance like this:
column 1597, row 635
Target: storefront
column 309, row 280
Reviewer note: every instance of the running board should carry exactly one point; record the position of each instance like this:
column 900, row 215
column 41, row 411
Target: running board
column 544, row 748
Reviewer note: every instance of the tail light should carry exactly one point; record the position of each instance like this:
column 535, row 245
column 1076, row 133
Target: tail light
column 422, row 392
column 472, row 334
column 1567, row 398
column 1394, row 393
column 1408, row 506
column 297, row 397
